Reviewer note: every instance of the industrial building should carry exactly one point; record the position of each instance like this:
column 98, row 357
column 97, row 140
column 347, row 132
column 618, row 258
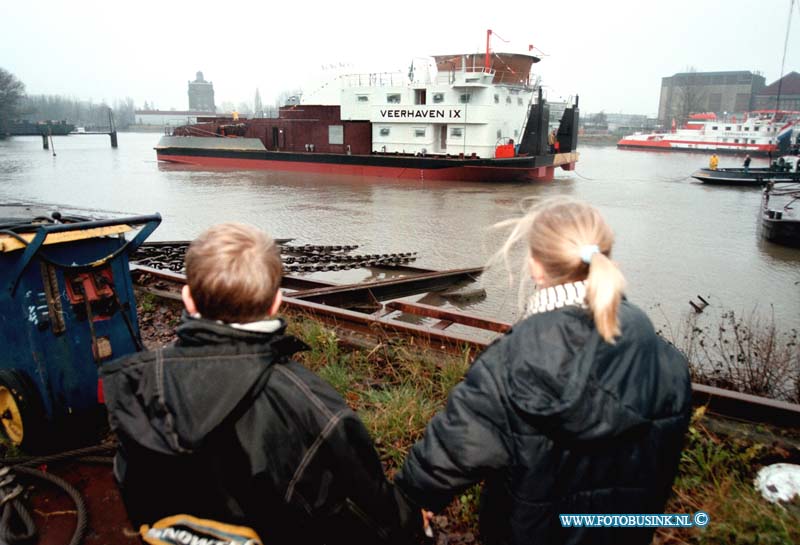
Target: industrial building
column 718, row 92
column 201, row 95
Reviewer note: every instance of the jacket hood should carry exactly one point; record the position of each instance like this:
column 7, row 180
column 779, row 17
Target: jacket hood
column 556, row 384
column 171, row 399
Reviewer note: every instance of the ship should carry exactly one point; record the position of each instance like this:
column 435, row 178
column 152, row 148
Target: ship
column 468, row 117
column 762, row 132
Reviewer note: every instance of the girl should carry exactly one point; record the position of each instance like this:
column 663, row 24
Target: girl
column 580, row 408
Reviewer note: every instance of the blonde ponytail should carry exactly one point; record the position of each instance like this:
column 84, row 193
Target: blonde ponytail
column 572, row 242
column 604, row 287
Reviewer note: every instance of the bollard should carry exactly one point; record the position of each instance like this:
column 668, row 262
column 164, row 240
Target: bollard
column 113, row 135
column 45, row 143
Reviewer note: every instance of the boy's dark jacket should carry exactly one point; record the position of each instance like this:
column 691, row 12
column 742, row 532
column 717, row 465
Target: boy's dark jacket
column 225, row 426
column 555, row 421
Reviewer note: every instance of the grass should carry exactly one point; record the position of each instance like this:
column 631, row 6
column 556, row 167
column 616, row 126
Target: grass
column 397, row 387
column 716, row 475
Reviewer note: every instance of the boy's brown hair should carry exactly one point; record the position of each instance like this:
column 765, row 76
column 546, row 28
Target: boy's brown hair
column 233, row 271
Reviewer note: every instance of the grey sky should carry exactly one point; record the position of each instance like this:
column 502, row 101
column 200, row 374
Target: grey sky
column 613, row 53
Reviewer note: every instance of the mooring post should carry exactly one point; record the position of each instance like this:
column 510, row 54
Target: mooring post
column 112, row 129
column 45, row 142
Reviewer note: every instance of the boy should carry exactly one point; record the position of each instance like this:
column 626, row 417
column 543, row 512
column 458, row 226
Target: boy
column 225, row 426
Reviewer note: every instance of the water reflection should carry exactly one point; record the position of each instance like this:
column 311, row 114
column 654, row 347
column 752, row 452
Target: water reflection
column 676, row 238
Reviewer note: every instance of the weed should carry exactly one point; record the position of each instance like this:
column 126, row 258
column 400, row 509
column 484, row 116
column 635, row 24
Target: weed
column 147, row 302
column 747, row 354
column 396, row 417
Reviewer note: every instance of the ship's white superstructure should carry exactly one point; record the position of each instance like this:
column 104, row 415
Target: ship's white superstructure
column 454, row 106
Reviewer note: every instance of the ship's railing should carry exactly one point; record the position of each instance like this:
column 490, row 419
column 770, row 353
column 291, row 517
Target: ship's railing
column 375, row 79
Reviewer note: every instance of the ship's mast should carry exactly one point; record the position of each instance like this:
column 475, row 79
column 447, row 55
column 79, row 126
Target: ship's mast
column 486, row 60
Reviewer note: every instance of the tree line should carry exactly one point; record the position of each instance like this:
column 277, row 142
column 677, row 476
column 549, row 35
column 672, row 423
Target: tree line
column 16, row 105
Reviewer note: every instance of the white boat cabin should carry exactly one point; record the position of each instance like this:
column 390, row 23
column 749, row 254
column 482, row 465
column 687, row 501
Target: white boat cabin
column 458, row 107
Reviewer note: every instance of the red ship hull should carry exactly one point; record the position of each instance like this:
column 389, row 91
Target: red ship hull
column 521, row 169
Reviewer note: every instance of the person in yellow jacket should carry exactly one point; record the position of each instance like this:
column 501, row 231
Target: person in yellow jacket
column 713, row 162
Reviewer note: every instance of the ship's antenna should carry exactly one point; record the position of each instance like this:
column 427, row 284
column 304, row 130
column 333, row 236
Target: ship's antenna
column 783, row 62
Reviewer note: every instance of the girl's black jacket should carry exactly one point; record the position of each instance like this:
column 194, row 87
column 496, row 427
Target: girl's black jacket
column 556, row 421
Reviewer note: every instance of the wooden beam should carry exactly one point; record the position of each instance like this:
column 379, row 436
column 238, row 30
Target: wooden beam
column 10, row 244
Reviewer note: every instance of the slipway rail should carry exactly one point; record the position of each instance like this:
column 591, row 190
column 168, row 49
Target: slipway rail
column 474, row 335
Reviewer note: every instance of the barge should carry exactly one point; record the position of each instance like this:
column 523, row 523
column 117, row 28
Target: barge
column 464, row 117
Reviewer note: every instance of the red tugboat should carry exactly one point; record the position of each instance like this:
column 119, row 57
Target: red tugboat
column 463, row 117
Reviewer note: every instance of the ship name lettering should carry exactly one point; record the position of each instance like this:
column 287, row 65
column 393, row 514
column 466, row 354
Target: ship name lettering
column 419, row 113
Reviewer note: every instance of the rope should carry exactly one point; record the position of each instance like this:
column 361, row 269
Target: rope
column 660, row 178
column 75, row 496
column 16, row 523
column 58, row 457
column 783, row 61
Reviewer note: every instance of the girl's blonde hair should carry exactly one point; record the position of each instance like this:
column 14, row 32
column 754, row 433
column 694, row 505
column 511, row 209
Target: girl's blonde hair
column 557, row 232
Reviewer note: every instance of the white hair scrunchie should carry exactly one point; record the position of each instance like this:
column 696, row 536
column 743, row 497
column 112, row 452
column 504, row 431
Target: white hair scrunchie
column 588, row 251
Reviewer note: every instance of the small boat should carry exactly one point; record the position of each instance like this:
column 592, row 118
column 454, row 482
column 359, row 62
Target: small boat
column 780, row 222
column 785, row 173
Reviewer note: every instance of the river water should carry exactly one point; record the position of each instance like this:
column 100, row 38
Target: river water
column 676, row 238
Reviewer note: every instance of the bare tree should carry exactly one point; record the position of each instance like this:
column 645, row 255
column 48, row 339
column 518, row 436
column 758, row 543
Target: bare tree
column 11, row 92
column 689, row 97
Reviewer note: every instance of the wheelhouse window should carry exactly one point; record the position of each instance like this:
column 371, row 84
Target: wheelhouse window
column 393, row 98
column 335, row 134
column 756, row 128
column 385, row 131
column 438, row 98
column 464, row 99
column 497, row 99
column 508, row 100
column 457, row 132
column 727, row 128
column 362, row 98
column 714, row 128
column 419, row 132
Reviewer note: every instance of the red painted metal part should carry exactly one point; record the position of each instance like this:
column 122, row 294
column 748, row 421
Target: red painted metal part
column 487, row 64
column 466, row 173
column 430, row 311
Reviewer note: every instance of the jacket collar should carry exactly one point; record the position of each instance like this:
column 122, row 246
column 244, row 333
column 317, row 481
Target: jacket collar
column 196, row 331
column 554, row 297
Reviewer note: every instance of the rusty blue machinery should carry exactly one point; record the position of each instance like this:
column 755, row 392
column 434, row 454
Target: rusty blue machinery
column 66, row 307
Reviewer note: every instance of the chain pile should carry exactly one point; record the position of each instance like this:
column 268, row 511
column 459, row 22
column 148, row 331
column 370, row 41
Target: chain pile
column 296, row 259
